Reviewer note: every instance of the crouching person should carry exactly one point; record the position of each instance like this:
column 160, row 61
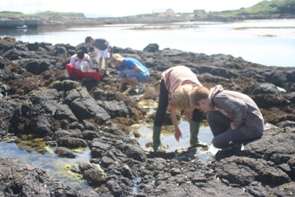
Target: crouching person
column 232, row 116
column 80, row 67
column 131, row 71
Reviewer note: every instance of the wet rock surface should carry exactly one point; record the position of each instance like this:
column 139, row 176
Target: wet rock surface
column 38, row 98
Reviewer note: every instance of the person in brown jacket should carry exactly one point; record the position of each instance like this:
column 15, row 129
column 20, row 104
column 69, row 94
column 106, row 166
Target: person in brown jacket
column 232, row 116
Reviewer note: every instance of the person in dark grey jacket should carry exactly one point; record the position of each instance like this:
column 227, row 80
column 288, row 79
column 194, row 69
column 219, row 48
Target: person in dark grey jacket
column 232, row 116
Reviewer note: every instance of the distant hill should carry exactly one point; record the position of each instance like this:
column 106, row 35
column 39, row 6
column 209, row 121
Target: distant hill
column 46, row 14
column 266, row 9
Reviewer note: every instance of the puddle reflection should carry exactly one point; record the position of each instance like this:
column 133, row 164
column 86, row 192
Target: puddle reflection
column 56, row 166
column 168, row 140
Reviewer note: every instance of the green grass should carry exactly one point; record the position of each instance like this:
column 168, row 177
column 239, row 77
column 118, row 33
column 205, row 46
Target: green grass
column 263, row 8
column 42, row 15
column 267, row 8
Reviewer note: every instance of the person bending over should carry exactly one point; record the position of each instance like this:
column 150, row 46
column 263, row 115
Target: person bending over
column 102, row 50
column 232, row 116
column 80, row 66
column 131, row 71
column 176, row 82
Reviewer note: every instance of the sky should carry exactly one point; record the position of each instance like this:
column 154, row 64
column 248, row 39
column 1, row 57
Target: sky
column 118, row 8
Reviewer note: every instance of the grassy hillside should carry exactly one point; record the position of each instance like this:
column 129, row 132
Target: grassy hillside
column 263, row 9
column 266, row 8
column 47, row 14
column 272, row 7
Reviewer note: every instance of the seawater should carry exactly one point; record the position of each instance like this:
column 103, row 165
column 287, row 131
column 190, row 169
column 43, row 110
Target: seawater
column 44, row 157
column 267, row 42
column 167, row 136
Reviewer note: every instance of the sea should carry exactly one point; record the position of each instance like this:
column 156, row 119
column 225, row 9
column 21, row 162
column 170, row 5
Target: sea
column 266, row 42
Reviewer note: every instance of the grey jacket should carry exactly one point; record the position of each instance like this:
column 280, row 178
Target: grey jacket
column 239, row 108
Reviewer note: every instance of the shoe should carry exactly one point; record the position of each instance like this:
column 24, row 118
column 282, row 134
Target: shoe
column 230, row 150
column 140, row 90
column 199, row 144
column 131, row 89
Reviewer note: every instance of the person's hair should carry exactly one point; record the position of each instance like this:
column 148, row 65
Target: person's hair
column 116, row 58
column 198, row 93
column 87, row 39
column 83, row 48
column 181, row 96
column 80, row 54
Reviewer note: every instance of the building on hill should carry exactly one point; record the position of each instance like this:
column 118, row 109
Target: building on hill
column 163, row 11
column 199, row 12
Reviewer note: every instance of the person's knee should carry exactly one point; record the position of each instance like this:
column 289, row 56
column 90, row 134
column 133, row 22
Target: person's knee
column 69, row 68
column 121, row 75
column 129, row 75
column 97, row 76
column 144, row 79
column 218, row 143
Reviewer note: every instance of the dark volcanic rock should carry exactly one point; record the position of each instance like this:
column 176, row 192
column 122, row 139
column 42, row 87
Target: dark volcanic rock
column 20, row 179
column 37, row 97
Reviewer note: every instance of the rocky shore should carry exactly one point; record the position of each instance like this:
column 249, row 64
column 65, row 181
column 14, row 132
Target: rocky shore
column 145, row 19
column 38, row 98
column 89, row 22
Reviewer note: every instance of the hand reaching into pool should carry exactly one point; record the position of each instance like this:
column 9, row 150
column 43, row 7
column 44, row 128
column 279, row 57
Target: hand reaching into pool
column 177, row 134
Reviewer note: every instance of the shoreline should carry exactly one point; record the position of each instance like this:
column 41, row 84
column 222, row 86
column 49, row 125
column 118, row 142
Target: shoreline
column 84, row 22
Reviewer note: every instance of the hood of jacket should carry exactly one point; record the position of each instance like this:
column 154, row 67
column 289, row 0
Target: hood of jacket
column 215, row 90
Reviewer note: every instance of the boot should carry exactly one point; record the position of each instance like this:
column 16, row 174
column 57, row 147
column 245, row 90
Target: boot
column 194, row 131
column 72, row 76
column 156, row 137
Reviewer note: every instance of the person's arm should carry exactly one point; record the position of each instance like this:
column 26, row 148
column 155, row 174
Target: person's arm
column 72, row 61
column 235, row 107
column 136, row 68
column 177, row 133
column 121, row 85
column 91, row 63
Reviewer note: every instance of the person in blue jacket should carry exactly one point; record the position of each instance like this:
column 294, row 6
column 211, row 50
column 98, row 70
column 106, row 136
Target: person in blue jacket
column 131, row 71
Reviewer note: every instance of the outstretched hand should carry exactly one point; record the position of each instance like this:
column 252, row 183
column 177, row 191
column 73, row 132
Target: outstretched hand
column 177, row 135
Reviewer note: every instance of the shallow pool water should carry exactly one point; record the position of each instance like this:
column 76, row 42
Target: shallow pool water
column 45, row 158
column 168, row 139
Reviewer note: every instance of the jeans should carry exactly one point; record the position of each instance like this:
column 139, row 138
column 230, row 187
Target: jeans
column 138, row 75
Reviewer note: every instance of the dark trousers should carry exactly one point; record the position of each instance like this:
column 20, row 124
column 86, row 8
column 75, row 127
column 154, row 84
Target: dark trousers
column 163, row 104
column 223, row 134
